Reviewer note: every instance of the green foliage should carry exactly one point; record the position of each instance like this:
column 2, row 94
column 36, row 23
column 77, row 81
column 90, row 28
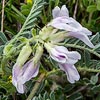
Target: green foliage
column 3, row 37
column 22, row 21
column 45, row 96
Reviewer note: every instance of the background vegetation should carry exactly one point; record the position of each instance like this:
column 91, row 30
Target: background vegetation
column 19, row 18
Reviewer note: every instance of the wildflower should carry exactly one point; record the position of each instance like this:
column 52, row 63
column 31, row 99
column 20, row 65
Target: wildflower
column 17, row 68
column 29, row 70
column 63, row 22
column 66, row 60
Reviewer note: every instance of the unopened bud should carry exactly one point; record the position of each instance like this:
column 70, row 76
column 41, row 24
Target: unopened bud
column 38, row 54
column 45, row 32
column 24, row 54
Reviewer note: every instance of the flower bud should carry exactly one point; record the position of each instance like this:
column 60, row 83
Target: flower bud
column 7, row 49
column 58, row 37
column 46, row 32
column 24, row 54
column 38, row 54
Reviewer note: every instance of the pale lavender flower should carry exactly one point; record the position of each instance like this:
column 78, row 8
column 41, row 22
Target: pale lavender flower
column 22, row 73
column 22, row 58
column 62, row 21
column 29, row 70
column 66, row 60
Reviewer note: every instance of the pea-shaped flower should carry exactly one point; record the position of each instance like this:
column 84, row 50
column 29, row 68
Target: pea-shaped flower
column 66, row 60
column 29, row 70
column 22, row 58
column 63, row 22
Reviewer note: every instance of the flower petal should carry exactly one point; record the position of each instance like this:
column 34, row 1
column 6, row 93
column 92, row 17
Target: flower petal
column 58, row 56
column 61, row 49
column 82, row 37
column 31, row 71
column 86, row 31
column 55, row 12
column 73, row 55
column 71, row 72
column 24, row 68
column 73, row 23
column 20, row 88
column 64, row 11
column 64, row 23
column 15, row 72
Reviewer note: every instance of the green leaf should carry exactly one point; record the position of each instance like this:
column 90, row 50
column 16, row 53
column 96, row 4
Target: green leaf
column 3, row 37
column 94, row 80
column 85, row 2
column 96, row 89
column 1, row 49
column 45, row 96
column 98, row 4
column 40, row 97
column 34, row 13
column 76, row 96
column 7, row 86
column 91, row 8
column 52, row 96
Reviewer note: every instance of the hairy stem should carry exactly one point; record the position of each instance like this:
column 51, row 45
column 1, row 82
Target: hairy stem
column 36, row 86
column 88, row 69
column 79, row 69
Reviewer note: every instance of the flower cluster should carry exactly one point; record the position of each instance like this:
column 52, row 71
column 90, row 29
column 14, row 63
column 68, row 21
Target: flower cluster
column 23, row 72
column 61, row 27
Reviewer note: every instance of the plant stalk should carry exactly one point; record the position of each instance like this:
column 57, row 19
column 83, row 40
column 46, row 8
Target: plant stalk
column 36, row 86
column 2, row 18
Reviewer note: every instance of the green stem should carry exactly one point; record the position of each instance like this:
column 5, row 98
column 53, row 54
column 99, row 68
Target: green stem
column 79, row 69
column 52, row 72
column 36, row 86
column 88, row 69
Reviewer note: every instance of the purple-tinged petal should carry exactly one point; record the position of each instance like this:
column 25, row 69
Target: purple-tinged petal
column 15, row 72
column 82, row 37
column 73, row 23
column 71, row 61
column 64, row 11
column 24, row 68
column 55, row 12
column 86, row 31
column 58, row 56
column 20, row 88
column 61, row 54
column 61, row 49
column 73, row 55
column 64, row 23
column 61, row 26
column 71, row 72
column 30, row 72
